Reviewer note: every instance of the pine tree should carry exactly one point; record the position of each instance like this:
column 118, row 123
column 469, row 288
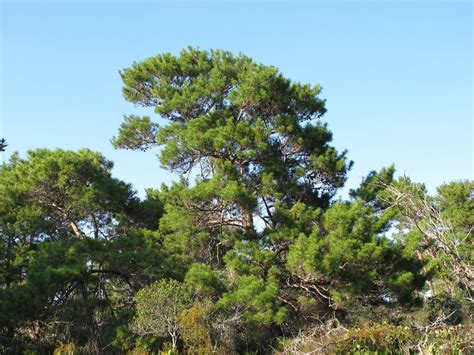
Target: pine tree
column 259, row 211
column 73, row 248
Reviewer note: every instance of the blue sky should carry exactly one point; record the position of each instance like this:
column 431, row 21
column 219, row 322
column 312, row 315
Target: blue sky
column 397, row 75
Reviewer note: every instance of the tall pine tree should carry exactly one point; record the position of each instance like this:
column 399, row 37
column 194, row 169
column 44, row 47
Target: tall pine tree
column 259, row 210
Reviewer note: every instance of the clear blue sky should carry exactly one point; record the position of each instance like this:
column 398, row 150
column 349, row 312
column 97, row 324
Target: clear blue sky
column 397, row 75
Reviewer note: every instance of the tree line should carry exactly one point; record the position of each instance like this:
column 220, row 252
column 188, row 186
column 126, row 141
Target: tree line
column 249, row 251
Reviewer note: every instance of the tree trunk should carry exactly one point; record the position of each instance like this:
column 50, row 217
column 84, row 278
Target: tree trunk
column 174, row 339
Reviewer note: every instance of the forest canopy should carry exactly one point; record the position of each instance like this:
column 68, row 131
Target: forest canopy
column 248, row 251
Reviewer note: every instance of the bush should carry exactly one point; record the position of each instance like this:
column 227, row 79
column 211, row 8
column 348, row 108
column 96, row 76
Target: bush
column 194, row 330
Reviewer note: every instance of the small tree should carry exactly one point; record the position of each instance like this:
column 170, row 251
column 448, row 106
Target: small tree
column 159, row 307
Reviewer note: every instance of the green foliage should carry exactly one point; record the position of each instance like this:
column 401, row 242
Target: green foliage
column 158, row 308
column 258, row 298
column 136, row 133
column 256, row 248
column 456, row 202
column 439, row 231
column 204, row 281
column 372, row 185
column 196, row 81
column 71, row 241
